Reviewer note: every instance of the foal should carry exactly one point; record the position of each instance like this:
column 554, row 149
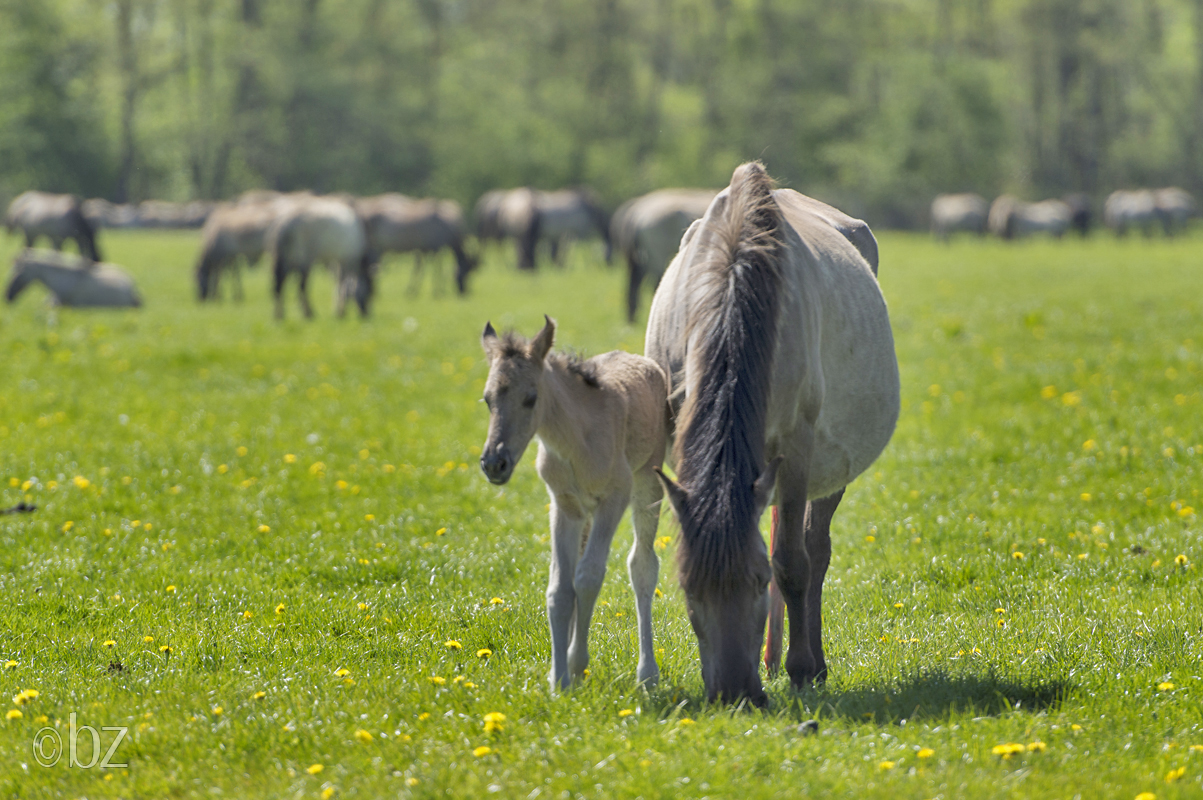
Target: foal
column 601, row 426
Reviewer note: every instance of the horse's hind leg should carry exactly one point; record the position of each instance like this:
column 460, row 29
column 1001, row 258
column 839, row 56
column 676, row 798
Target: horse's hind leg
column 818, row 552
column 415, row 280
column 567, row 523
column 303, row 290
column 590, row 573
column 643, row 567
column 279, row 274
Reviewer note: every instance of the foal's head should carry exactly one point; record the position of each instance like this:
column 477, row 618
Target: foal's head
column 512, row 394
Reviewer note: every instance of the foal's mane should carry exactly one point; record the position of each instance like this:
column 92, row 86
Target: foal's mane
column 512, row 343
column 720, row 444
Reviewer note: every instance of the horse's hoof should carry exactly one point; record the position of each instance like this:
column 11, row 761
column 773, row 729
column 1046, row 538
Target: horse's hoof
column 808, row 728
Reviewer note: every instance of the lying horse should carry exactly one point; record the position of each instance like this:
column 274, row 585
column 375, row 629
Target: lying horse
column 72, row 281
column 56, row 216
column 323, row 230
column 647, row 230
column 601, row 427
column 958, row 212
column 232, row 233
column 399, row 224
column 776, row 340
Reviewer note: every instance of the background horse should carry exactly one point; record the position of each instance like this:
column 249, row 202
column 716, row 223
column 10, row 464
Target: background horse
column 601, row 425
column 777, row 343
column 399, row 224
column 1124, row 210
column 56, row 216
column 234, row 232
column 321, row 230
column 958, row 212
column 571, row 214
column 72, row 281
column 647, row 230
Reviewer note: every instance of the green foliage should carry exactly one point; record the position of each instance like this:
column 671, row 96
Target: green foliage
column 1061, row 424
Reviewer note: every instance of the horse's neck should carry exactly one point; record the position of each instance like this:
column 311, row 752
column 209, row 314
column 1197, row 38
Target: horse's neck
column 57, row 279
column 560, row 407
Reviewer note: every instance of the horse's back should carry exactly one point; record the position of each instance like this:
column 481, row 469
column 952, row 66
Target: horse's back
column 318, row 229
column 642, row 390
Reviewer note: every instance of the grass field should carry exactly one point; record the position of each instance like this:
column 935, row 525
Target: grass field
column 256, row 542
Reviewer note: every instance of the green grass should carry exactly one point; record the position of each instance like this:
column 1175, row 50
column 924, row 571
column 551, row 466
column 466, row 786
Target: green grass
column 1092, row 480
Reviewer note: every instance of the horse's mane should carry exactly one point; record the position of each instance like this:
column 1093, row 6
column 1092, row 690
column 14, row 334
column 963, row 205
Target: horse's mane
column 512, row 343
column 720, row 444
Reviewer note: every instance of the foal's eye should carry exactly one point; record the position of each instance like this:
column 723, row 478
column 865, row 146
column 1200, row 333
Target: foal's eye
column 529, row 402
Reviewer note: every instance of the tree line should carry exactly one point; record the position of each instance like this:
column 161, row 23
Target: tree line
column 874, row 105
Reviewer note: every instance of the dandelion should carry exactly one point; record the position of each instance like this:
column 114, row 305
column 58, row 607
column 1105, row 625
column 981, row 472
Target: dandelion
column 314, row 769
column 81, row 482
column 1072, row 399
column 289, row 458
column 363, row 736
column 1175, row 774
column 1084, row 497
column 1089, row 445
column 493, row 721
column 222, row 469
column 1196, row 748
column 13, row 714
column 1048, row 392
column 412, row 781
column 425, row 715
column 148, row 639
column 496, row 601
column 109, row 643
column 925, row 752
column 171, row 589
column 484, row 652
column 68, row 525
column 1180, row 559
column 458, row 679
column 482, row 751
column 369, row 517
column 342, row 672
column 166, row 649
column 258, row 695
column 440, row 531
column 1036, row 747
column 437, row 680
column 340, row 485
column 265, row 529
column 1000, row 610
column 11, row 664
column 1018, row 556
column 1075, row 727
column 685, row 721
column 898, row 605
column 280, row 608
column 452, row 644
column 327, row 793
column 886, row 765
column 218, row 711
column 1165, row 686
column 626, row 712
column 1007, row 750
column 658, row 592
column 247, row 615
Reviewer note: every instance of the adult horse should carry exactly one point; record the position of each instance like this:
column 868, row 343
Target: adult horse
column 55, row 216
column 399, row 224
column 571, row 214
column 647, row 230
column 517, row 218
column 1174, row 207
column 958, row 212
column 777, row 343
column 321, row 230
column 1011, row 218
column 1135, row 209
column 72, row 281
column 233, row 232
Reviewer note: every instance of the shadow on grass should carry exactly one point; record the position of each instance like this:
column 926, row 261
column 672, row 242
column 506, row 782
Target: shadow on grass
column 929, row 695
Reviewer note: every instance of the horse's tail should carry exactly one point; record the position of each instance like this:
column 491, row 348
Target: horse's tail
column 749, row 229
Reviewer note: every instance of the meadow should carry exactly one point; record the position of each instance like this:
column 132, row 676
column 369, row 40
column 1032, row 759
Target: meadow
column 266, row 550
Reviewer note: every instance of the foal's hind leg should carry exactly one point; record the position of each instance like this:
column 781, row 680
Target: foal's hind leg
column 644, row 568
column 590, row 572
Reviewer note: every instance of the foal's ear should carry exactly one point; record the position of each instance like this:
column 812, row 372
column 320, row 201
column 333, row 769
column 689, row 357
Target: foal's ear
column 676, row 495
column 488, row 340
column 541, row 345
column 762, row 490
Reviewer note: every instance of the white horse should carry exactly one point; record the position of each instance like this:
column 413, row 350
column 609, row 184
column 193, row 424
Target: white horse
column 321, row 230
column 777, row 343
column 958, row 212
column 58, row 217
column 74, row 282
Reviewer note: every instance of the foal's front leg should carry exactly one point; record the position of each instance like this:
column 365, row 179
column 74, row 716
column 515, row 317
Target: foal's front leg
column 590, row 573
column 643, row 567
column 567, row 523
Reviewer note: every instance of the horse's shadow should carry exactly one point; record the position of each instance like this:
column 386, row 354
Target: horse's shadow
column 931, row 695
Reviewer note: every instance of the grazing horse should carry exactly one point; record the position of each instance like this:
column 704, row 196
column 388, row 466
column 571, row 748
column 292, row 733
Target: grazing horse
column 233, row 232
column 56, row 216
column 517, row 218
column 1125, row 209
column 400, row 224
column 571, row 214
column 647, row 230
column 601, row 425
column 1175, row 207
column 1081, row 212
column 74, row 282
column 1011, row 218
column 321, row 230
column 776, row 340
column 958, row 212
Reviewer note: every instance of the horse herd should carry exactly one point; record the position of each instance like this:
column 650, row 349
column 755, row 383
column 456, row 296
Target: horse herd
column 1008, row 217
column 351, row 234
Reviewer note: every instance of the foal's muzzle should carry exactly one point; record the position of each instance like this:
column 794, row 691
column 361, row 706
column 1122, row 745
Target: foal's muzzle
column 497, row 464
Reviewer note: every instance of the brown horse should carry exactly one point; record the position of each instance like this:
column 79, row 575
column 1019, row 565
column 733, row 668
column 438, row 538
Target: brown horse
column 232, row 233
column 55, row 216
column 399, row 224
column 775, row 337
column 601, row 427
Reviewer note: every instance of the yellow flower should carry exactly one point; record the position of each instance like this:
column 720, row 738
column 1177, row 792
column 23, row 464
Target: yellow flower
column 259, row 695
column 1007, row 750
column 171, row 589
column 685, row 721
column 110, row 643
column 1165, row 687
column 1018, row 556
column 437, row 680
column 493, row 721
column 1089, row 445
column 241, row 451
column 1196, row 748
column 1072, row 399
column 658, row 592
column 342, row 672
column 68, row 525
column 496, row 601
column 340, row 484
column 363, row 736
column 898, row 605
column 10, row 664
column 314, row 769
column 626, row 712
column 165, row 649
column 369, row 517
column 148, row 639
column 289, row 458
column 440, row 531
column 1048, row 392
column 1180, row 559
column 1036, row 747
column 362, row 606
column 1085, row 497
column 217, row 711
column 1175, row 774
column 425, row 715
column 327, row 793
column 265, row 529
column 222, row 469
column 13, row 714
column 247, row 615
column 1075, row 727
column 1000, row 610
column 280, row 608
column 1146, row 796
column 81, row 482
column 885, row 765
column 452, row 644
column 484, row 652
column 412, row 781
column 317, row 468
column 482, row 751
column 925, row 752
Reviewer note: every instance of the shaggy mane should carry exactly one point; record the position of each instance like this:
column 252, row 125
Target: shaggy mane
column 511, row 344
